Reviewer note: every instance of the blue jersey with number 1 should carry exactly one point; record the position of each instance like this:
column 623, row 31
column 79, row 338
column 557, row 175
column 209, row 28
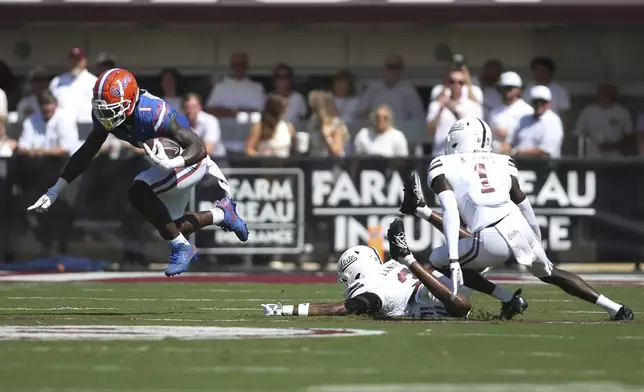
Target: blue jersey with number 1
column 150, row 119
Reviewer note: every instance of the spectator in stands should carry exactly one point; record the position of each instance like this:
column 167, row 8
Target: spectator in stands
column 505, row 118
column 236, row 93
column 37, row 82
column 470, row 90
column 105, row 61
column 171, row 85
column 4, row 104
column 203, row 124
column 489, row 81
column 399, row 95
column 51, row 131
column 328, row 134
column 7, row 145
column 73, row 89
column 382, row 138
column 543, row 72
column 605, row 124
column 283, row 84
column 344, row 95
column 448, row 106
column 272, row 136
column 539, row 134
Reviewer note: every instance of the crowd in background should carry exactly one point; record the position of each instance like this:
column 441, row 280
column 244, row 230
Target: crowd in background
column 528, row 116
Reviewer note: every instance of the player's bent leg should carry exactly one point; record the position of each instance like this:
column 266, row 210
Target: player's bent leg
column 575, row 286
column 172, row 191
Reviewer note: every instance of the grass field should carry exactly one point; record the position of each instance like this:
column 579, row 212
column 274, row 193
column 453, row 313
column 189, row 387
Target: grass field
column 559, row 340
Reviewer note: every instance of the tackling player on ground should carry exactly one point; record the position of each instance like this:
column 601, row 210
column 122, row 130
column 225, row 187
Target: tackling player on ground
column 399, row 287
column 482, row 189
column 160, row 193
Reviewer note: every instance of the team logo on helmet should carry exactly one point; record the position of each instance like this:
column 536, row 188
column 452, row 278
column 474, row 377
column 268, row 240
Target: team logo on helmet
column 116, row 91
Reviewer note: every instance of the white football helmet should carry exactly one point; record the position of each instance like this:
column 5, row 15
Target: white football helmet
column 468, row 135
column 358, row 262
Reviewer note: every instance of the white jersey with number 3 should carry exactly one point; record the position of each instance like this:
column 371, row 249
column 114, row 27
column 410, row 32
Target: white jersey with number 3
column 481, row 184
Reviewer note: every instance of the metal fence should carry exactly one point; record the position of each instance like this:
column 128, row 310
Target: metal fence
column 304, row 209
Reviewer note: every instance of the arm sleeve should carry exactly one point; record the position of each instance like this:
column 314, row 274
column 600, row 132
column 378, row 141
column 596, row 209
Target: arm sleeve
column 358, row 143
column 581, row 127
column 513, row 168
column 163, row 114
column 451, row 222
column 365, row 303
column 436, row 168
column 528, row 214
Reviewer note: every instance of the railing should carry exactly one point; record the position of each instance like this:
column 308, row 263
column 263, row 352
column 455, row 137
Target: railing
column 308, row 209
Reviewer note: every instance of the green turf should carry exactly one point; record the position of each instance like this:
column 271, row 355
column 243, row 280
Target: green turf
column 575, row 346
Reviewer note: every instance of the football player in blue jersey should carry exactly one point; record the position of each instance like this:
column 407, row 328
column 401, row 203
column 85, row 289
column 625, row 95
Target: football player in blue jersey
column 160, row 193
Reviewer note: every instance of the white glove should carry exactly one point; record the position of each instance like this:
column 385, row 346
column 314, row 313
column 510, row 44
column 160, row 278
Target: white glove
column 44, row 202
column 156, row 156
column 272, row 309
column 457, row 277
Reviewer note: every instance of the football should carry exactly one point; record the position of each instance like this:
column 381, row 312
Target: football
column 172, row 148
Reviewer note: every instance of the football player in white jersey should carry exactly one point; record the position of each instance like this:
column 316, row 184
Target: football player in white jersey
column 399, row 287
column 482, row 189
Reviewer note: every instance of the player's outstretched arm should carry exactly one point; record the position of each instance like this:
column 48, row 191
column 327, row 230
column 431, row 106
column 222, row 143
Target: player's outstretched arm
column 456, row 306
column 77, row 164
column 194, row 150
column 365, row 303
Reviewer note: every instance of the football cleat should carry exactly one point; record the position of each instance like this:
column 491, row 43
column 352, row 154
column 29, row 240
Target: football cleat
column 398, row 248
column 232, row 221
column 623, row 314
column 412, row 194
column 180, row 258
column 516, row 305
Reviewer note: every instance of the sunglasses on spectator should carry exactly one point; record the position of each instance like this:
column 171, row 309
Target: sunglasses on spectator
column 539, row 102
column 382, row 117
column 393, row 66
column 459, row 82
column 282, row 76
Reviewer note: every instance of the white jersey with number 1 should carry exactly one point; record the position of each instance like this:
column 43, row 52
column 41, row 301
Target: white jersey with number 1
column 481, row 184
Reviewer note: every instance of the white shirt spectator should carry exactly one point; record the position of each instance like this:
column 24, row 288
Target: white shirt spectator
column 235, row 94
column 465, row 106
column 492, row 99
column 74, row 94
column 390, row 143
column 402, row 98
column 507, row 117
column 207, row 128
column 560, row 97
column 26, row 107
column 60, row 131
column 4, row 105
column 348, row 109
column 296, row 108
column 279, row 145
column 544, row 132
column 603, row 125
column 476, row 90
